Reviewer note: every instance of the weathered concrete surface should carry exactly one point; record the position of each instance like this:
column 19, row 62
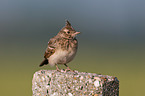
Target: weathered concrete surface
column 53, row 83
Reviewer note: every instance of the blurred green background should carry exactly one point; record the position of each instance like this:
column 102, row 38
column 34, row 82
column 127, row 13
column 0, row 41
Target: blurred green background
column 112, row 40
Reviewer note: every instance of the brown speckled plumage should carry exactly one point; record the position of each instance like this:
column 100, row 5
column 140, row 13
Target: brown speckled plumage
column 61, row 48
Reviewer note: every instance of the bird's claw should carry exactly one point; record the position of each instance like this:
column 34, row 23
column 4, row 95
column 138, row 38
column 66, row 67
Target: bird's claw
column 68, row 69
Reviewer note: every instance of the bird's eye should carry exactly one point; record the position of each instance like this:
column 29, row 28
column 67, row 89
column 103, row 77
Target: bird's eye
column 68, row 32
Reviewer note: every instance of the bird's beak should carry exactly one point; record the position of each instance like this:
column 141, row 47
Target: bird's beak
column 77, row 33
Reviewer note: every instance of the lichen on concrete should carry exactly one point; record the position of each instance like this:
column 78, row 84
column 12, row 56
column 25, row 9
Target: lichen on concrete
column 54, row 83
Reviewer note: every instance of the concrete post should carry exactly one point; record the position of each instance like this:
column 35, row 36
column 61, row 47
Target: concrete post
column 53, row 83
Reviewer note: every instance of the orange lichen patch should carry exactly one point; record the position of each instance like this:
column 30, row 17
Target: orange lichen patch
column 96, row 95
column 75, row 78
column 92, row 87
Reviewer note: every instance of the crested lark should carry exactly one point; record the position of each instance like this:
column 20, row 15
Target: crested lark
column 62, row 48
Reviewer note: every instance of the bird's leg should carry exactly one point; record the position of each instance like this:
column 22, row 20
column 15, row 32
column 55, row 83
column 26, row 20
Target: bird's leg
column 57, row 68
column 68, row 69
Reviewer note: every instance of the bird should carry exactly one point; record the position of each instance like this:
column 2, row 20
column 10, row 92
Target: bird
column 61, row 48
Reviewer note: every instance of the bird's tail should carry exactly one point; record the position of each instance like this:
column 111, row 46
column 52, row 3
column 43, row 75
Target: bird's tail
column 44, row 62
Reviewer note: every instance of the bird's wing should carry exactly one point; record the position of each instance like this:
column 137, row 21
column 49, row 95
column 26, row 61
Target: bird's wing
column 51, row 48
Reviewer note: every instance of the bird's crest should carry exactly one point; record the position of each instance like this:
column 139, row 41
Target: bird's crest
column 67, row 24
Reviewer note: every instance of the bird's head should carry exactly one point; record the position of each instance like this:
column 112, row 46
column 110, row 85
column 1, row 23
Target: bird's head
column 67, row 31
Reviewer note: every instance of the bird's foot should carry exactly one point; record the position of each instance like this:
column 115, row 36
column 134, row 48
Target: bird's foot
column 57, row 69
column 68, row 69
